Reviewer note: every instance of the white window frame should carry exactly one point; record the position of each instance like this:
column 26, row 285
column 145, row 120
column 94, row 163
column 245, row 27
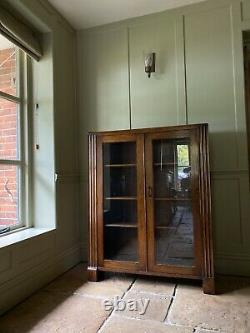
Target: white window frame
column 22, row 103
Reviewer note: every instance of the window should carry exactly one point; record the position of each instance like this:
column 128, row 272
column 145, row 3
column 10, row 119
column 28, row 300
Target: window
column 12, row 137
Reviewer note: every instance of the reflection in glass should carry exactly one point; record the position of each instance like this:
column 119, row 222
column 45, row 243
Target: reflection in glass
column 172, row 202
column 120, row 201
column 172, row 170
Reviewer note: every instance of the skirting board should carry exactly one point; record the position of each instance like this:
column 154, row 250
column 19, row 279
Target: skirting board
column 22, row 287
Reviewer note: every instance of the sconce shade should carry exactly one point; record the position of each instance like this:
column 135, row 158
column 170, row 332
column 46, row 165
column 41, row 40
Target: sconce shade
column 149, row 62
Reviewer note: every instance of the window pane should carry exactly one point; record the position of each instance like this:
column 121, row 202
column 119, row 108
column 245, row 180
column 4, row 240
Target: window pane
column 9, row 196
column 8, row 67
column 9, row 127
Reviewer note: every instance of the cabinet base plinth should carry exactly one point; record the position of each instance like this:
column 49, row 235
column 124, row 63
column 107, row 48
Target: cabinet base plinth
column 208, row 286
column 94, row 275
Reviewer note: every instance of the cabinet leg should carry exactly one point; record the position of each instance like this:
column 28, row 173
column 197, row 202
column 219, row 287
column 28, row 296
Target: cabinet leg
column 208, row 285
column 94, row 275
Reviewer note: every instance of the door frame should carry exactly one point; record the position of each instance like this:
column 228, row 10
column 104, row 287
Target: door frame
column 141, row 208
column 195, row 270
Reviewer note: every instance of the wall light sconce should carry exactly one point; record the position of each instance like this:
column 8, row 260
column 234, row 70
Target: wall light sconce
column 149, row 62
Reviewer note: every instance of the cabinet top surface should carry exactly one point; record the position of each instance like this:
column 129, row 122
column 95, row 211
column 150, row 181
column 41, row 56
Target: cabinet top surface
column 152, row 129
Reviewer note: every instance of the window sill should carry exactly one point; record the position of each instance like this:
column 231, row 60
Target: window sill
column 22, row 235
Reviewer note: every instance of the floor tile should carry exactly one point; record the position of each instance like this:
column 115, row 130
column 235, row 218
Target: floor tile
column 118, row 324
column 51, row 312
column 154, row 286
column 71, row 304
column 70, row 281
column 156, row 309
column 106, row 289
column 75, row 281
column 229, row 312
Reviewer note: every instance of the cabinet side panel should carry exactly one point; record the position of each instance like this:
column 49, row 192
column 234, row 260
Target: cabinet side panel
column 206, row 206
column 92, row 205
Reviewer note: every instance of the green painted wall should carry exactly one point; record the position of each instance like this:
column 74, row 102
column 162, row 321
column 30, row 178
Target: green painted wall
column 106, row 79
column 245, row 10
column 215, row 95
column 199, row 78
column 210, row 81
column 159, row 99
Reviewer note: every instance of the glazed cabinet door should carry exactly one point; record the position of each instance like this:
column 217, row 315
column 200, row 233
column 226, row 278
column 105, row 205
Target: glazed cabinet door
column 173, row 221
column 120, row 202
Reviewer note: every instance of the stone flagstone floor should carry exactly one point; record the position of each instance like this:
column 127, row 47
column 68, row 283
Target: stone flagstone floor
column 70, row 304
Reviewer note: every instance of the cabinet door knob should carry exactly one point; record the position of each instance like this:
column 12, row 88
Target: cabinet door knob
column 150, row 191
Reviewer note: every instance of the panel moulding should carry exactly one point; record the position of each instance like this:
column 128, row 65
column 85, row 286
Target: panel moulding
column 18, row 288
column 5, row 261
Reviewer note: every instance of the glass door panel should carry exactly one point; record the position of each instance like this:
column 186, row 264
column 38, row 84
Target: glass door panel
column 120, row 201
column 173, row 217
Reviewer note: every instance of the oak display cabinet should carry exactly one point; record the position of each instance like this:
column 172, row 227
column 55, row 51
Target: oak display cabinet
column 149, row 203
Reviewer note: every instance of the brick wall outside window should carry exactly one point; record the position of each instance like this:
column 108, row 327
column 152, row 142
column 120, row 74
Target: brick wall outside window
column 8, row 140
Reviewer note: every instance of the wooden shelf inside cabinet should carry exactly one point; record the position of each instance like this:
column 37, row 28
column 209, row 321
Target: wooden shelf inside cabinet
column 172, row 199
column 121, row 225
column 119, row 165
column 165, row 227
column 120, row 198
column 159, row 164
